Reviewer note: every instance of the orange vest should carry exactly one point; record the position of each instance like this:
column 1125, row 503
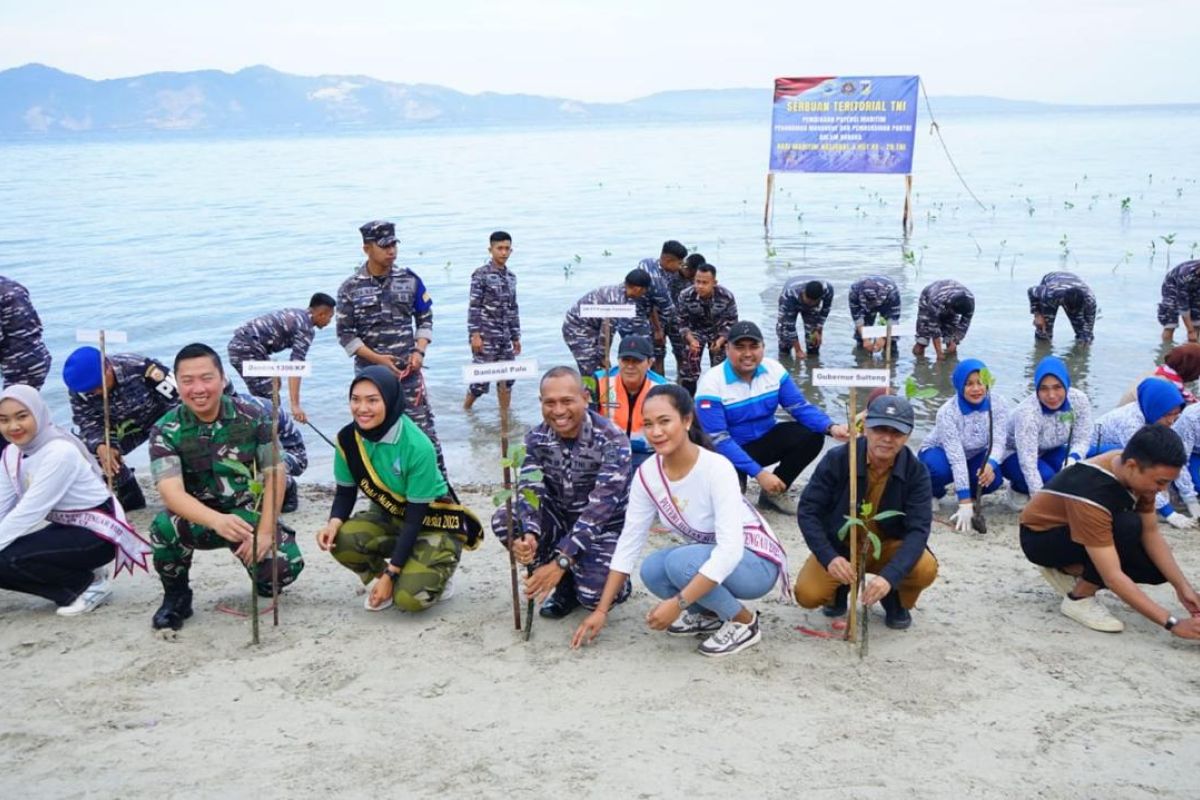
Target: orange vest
column 614, row 404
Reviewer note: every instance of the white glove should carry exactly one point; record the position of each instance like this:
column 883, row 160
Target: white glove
column 1177, row 520
column 1193, row 507
column 962, row 517
column 1070, row 460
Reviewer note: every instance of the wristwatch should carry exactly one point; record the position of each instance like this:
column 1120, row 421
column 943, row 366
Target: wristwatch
column 563, row 561
column 1171, row 622
column 390, row 574
column 683, row 604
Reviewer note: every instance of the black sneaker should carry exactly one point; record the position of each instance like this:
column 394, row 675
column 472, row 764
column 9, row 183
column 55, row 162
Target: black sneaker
column 895, row 616
column 291, row 496
column 840, row 604
column 562, row 601
column 176, row 607
column 129, row 494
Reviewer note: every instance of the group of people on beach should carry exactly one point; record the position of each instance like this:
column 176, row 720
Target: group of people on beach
column 619, row 448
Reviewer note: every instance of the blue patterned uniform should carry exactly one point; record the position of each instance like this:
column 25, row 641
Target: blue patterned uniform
column 585, row 336
column 935, row 318
column 492, row 313
column 874, row 296
column 583, row 493
column 1048, row 296
column 23, row 355
column 707, row 319
column 664, row 294
column 1180, row 294
column 261, row 337
column 791, row 305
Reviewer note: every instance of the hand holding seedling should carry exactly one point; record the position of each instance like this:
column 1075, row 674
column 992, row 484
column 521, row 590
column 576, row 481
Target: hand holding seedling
column 109, row 458
column 525, row 548
column 877, row 589
column 839, row 568
column 541, row 582
column 232, row 528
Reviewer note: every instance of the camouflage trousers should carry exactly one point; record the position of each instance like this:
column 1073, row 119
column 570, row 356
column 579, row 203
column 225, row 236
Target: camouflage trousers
column 29, row 367
column 1082, row 323
column 416, row 406
column 585, row 346
column 678, row 348
column 1176, row 300
column 689, row 368
column 241, row 351
column 492, row 351
column 590, row 570
column 787, row 337
column 366, row 541
column 174, row 540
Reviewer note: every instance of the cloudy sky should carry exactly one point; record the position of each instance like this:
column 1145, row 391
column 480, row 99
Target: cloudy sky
column 1086, row 51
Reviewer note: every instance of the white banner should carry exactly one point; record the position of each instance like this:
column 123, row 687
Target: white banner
column 110, row 337
column 596, row 311
column 880, row 332
column 500, row 371
column 284, row 369
column 850, row 377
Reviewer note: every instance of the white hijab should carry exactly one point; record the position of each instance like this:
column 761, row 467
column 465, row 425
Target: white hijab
column 47, row 431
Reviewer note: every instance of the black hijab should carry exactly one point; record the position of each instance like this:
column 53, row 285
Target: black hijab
column 389, row 386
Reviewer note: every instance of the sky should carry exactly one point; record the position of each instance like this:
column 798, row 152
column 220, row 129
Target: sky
column 1086, row 51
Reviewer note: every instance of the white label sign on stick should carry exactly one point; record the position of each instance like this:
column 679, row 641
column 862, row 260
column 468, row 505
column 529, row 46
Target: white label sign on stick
column 284, row 369
column 850, row 377
column 500, row 371
column 881, row 332
column 110, row 337
column 616, row 311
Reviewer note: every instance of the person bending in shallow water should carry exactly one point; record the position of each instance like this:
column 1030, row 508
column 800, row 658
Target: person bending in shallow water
column 731, row 552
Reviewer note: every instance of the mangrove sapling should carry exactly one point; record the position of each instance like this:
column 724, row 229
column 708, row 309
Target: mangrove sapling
column 1000, row 254
column 1124, row 260
column 256, row 489
column 1169, row 240
column 978, row 249
column 1126, row 205
column 860, row 524
column 606, row 253
column 978, row 521
column 1195, row 247
column 1066, row 249
column 914, row 391
column 1067, row 204
column 512, row 460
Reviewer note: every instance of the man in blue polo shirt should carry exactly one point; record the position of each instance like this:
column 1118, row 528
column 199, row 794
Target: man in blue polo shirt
column 736, row 403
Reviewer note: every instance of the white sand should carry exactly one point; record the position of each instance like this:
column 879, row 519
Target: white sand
column 991, row 693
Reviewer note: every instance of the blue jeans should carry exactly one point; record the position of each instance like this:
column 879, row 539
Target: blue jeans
column 940, row 474
column 665, row 572
column 1049, row 464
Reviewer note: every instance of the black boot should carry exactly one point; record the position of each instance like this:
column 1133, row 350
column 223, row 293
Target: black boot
column 176, row 607
column 896, row 616
column 129, row 494
column 840, row 603
column 291, row 496
column 690, row 386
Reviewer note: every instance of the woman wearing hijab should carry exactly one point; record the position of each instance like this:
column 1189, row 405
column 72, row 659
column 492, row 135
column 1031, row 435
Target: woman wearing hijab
column 1180, row 367
column 1159, row 402
column 411, row 554
column 59, row 524
column 1048, row 430
column 967, row 442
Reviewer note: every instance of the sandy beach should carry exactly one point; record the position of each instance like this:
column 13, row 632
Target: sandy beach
column 991, row 693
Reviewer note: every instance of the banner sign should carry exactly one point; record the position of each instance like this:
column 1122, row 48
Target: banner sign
column 500, row 371
column 844, row 124
column 850, row 377
column 599, row 311
column 283, row 369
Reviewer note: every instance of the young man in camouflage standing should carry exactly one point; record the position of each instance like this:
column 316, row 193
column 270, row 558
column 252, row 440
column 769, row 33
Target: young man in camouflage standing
column 706, row 313
column 493, row 319
column 662, row 297
column 23, row 355
column 261, row 337
column 204, row 455
column 385, row 316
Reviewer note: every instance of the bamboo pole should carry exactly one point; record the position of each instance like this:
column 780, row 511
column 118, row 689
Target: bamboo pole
column 278, row 466
column 508, row 513
column 767, row 204
column 852, row 621
column 907, row 220
column 104, row 401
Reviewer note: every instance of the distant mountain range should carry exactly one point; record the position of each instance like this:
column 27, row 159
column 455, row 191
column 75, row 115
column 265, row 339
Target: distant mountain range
column 37, row 101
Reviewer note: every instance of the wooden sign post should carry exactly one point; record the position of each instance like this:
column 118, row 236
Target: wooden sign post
column 852, row 379
column 606, row 313
column 102, row 337
column 490, row 373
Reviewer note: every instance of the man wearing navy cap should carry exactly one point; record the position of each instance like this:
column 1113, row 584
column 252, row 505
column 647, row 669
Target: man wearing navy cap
column 140, row 390
column 890, row 478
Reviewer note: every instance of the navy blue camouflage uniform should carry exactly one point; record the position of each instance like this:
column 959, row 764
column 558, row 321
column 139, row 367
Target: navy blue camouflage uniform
column 935, row 317
column 707, row 319
column 663, row 295
column 1180, row 294
column 271, row 333
column 388, row 314
column 874, row 300
column 492, row 312
column 791, row 305
column 23, row 355
column 582, row 494
column 291, row 442
column 143, row 391
column 1048, row 296
column 585, row 336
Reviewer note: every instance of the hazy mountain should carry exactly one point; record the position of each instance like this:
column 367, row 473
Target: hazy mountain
column 37, row 101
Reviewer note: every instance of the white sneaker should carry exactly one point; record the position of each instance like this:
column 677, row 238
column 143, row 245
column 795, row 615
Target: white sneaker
column 731, row 638
column 91, row 598
column 690, row 624
column 1089, row 612
column 448, row 591
column 1059, row 581
column 1014, row 499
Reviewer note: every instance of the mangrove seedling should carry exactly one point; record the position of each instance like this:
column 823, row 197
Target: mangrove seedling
column 512, row 465
column 1125, row 260
column 1066, row 249
column 914, row 391
column 255, row 487
column 1169, row 240
column 1126, row 205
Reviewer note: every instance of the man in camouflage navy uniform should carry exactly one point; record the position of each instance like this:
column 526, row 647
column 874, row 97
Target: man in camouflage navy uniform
column 140, row 390
column 944, row 314
column 385, row 316
column 493, row 319
column 874, row 300
column 809, row 299
column 1180, row 299
column 290, row 328
column 662, row 302
column 205, row 454
column 584, row 461
column 23, row 355
column 1065, row 289
column 705, row 314
column 585, row 335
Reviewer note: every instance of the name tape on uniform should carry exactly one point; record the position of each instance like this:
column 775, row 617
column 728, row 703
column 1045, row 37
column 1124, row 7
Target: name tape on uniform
column 500, row 371
column 615, row 311
column 116, row 337
column 881, row 332
column 850, row 377
column 284, row 369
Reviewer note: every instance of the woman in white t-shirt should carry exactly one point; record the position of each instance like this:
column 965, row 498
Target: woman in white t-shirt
column 732, row 555
column 59, row 524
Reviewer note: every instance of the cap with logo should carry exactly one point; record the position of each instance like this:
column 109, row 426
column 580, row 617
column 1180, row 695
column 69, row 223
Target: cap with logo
column 744, row 329
column 890, row 411
column 636, row 347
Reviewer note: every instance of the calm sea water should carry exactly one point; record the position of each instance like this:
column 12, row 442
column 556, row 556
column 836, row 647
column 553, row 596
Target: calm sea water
column 176, row 241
